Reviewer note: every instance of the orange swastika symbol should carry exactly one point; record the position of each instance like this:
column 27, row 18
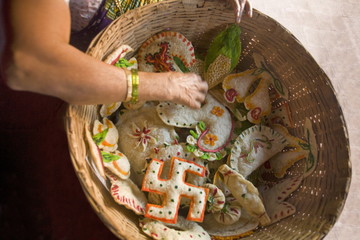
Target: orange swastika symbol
column 173, row 189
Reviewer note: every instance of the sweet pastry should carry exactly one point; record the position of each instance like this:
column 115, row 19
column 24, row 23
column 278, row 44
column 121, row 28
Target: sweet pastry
column 166, row 51
column 223, row 55
column 105, row 135
column 173, row 189
column 181, row 230
column 254, row 147
column 212, row 122
column 274, row 198
column 126, row 193
column 245, row 193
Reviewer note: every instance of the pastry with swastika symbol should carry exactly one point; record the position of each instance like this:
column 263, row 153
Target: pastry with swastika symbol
column 173, row 189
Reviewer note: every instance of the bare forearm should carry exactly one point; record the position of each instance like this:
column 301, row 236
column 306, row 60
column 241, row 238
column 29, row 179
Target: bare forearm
column 66, row 73
column 44, row 62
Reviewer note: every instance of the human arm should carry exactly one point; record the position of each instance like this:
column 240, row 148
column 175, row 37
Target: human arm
column 43, row 61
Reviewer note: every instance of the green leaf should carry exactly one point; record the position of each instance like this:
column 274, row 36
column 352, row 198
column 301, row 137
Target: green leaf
column 108, row 157
column 202, row 125
column 205, row 156
column 181, row 64
column 226, row 43
column 310, row 161
column 194, row 134
column 122, row 62
column 304, row 146
column 219, row 156
column 279, row 87
column 190, row 148
column 258, row 71
column 98, row 138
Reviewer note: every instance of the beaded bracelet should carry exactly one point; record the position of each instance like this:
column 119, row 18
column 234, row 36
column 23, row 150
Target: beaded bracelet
column 129, row 84
column 135, row 86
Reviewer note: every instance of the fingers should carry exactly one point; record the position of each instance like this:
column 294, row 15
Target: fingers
column 241, row 10
column 248, row 9
column 198, row 95
column 188, row 89
column 241, row 6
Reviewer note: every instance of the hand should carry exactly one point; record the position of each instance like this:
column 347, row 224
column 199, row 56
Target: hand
column 186, row 88
column 239, row 7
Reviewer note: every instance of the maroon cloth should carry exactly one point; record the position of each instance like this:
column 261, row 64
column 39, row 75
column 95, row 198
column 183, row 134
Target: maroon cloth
column 40, row 195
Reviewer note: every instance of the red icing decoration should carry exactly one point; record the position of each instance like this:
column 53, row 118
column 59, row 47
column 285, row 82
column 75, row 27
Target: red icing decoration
column 230, row 95
column 160, row 60
column 255, row 113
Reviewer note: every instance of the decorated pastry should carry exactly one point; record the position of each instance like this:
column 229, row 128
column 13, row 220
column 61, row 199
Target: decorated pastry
column 165, row 154
column 165, row 52
column 219, row 182
column 105, row 135
column 229, row 215
column 238, row 87
column 216, row 199
column 183, row 229
column 108, row 109
column 312, row 147
column 280, row 114
column 245, row 193
column 126, row 193
column 223, row 55
column 254, row 147
column 94, row 152
column 237, row 109
column 285, row 159
column 133, row 105
column 196, row 179
column 117, row 58
column 119, row 53
column 212, row 122
column 268, row 74
column 217, row 70
column 173, row 188
column 274, row 197
column 144, row 136
column 258, row 102
column 238, row 229
column 117, row 163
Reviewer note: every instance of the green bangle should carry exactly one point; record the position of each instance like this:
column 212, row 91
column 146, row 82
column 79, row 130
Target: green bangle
column 135, row 86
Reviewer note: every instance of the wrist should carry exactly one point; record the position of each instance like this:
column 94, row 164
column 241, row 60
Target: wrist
column 154, row 86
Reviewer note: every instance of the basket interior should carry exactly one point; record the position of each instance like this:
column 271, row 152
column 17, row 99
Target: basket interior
column 322, row 195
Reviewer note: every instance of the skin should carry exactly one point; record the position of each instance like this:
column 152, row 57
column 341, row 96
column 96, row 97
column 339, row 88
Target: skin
column 43, row 61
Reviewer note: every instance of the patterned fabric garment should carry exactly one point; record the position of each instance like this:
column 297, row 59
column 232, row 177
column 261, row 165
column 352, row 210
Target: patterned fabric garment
column 87, row 23
column 82, row 12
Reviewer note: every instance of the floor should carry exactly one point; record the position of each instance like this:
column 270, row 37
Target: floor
column 330, row 31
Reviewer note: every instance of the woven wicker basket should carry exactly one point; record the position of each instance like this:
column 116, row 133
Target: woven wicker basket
column 322, row 195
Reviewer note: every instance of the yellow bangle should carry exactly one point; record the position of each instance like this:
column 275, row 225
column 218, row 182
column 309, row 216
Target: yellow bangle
column 129, row 84
column 135, row 86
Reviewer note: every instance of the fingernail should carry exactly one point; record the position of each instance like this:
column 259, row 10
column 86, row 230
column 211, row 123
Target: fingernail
column 238, row 19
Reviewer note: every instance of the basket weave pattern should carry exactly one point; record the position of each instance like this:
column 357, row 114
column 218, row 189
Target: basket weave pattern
column 322, row 195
